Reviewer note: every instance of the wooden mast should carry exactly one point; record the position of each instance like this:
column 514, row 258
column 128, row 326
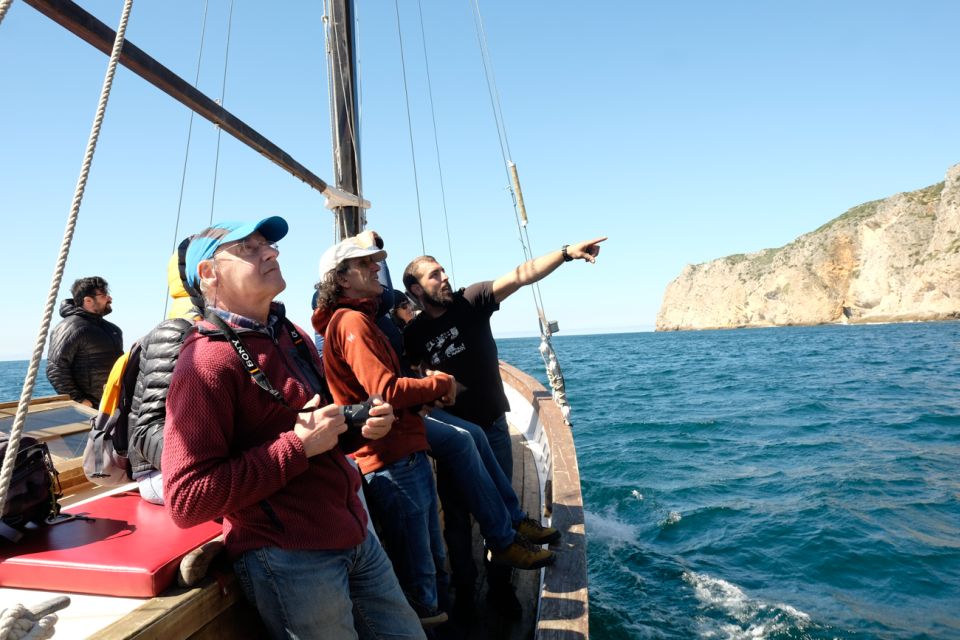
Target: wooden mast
column 341, row 48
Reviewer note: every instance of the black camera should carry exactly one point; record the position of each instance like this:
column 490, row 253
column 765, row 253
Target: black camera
column 355, row 415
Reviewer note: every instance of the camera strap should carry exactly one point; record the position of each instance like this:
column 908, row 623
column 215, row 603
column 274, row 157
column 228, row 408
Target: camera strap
column 251, row 366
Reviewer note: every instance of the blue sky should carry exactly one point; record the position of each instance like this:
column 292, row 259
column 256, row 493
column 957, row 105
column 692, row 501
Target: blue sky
column 685, row 131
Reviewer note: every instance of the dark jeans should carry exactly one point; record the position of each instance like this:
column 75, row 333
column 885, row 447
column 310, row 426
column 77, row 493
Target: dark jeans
column 402, row 497
column 458, row 531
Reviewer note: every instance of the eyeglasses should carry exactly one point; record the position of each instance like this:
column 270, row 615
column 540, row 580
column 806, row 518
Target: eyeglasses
column 248, row 247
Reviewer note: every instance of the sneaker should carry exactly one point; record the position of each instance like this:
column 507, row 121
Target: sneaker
column 522, row 554
column 536, row 532
column 504, row 601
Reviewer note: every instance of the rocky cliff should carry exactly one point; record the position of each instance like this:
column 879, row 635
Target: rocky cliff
column 896, row 259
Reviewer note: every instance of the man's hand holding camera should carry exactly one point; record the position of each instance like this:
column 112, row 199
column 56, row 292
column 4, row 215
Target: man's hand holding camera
column 318, row 429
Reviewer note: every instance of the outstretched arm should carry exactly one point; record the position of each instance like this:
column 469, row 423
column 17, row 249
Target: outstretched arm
column 539, row 268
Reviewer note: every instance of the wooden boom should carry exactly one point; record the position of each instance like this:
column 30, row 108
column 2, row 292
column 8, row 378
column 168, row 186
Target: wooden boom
column 82, row 24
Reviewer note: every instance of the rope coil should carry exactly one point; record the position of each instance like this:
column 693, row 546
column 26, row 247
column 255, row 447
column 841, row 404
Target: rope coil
column 35, row 623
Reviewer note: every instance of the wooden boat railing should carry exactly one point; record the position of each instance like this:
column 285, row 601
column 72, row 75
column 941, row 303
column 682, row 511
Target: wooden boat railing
column 563, row 601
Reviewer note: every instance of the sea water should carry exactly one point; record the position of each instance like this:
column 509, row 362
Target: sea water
column 768, row 483
column 764, row 483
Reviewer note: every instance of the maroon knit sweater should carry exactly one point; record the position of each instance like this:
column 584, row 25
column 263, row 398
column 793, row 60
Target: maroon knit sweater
column 230, row 450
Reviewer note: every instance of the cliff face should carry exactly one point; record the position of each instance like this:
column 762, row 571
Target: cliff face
column 896, row 259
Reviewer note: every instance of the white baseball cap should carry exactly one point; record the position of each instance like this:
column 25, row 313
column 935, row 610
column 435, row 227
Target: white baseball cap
column 345, row 250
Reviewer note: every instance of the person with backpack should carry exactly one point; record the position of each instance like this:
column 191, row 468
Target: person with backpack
column 251, row 436
column 159, row 350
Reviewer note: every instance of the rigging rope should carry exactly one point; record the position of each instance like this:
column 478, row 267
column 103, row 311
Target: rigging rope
column 554, row 374
column 436, row 145
column 223, row 93
column 413, row 154
column 31, row 623
column 16, row 430
column 4, row 6
column 186, row 154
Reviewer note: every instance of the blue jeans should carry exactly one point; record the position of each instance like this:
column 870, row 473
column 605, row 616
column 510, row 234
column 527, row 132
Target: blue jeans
column 464, row 452
column 403, row 498
column 335, row 594
column 496, row 451
column 498, row 434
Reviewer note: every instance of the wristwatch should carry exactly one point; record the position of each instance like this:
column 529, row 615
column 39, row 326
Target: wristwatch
column 566, row 256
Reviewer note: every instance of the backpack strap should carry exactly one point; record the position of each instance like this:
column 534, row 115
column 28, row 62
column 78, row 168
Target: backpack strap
column 195, row 297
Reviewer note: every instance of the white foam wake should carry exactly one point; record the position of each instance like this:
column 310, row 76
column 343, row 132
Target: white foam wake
column 609, row 529
column 733, row 615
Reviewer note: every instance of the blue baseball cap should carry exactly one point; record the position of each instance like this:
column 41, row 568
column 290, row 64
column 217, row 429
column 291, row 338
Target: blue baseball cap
column 204, row 244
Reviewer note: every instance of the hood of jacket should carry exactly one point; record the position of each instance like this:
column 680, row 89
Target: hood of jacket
column 182, row 306
column 322, row 315
column 69, row 307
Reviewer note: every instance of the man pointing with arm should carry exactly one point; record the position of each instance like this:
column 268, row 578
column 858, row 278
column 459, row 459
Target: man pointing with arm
column 453, row 335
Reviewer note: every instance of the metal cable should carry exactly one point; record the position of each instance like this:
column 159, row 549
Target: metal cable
column 223, row 93
column 16, row 431
column 413, row 154
column 186, row 153
column 550, row 361
column 436, row 144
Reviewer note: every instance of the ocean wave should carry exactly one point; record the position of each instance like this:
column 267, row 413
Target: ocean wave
column 609, row 530
column 728, row 612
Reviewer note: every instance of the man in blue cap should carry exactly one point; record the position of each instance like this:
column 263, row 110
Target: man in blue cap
column 251, row 437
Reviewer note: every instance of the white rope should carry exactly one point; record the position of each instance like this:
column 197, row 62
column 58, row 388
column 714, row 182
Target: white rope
column 17, row 429
column 16, row 623
column 34, row 623
column 4, row 5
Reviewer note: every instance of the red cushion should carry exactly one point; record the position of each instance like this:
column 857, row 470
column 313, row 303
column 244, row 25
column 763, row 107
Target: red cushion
column 131, row 548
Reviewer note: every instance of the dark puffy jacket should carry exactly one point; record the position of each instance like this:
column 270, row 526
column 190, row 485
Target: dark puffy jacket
column 82, row 351
column 159, row 351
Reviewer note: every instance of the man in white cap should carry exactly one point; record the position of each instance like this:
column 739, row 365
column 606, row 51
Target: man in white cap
column 251, row 437
column 359, row 361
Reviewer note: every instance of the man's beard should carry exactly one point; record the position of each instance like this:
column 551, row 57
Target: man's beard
column 106, row 310
column 444, row 299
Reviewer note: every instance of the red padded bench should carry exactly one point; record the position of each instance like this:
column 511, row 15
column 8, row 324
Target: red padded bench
column 130, row 548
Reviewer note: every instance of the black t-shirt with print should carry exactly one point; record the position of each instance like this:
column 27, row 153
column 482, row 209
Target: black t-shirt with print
column 461, row 343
